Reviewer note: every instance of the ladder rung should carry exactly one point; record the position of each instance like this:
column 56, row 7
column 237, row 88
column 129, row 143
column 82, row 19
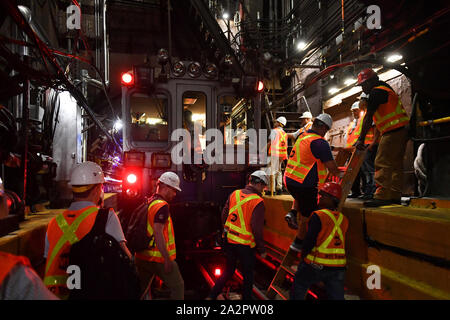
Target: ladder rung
column 288, row 269
column 280, row 291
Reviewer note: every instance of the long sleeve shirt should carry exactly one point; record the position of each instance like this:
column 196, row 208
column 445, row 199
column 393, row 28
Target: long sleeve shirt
column 257, row 220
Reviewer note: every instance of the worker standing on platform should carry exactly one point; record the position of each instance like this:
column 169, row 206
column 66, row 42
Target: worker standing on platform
column 306, row 170
column 323, row 256
column 371, row 141
column 305, row 124
column 243, row 219
column 351, row 135
column 75, row 223
column 386, row 109
column 159, row 258
column 278, row 152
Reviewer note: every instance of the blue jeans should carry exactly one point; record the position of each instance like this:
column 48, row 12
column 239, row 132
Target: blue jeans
column 367, row 172
column 306, row 275
column 246, row 256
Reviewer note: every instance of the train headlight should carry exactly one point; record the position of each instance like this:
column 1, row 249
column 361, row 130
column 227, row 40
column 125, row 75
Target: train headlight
column 179, row 69
column 211, row 70
column 194, row 70
column 163, row 56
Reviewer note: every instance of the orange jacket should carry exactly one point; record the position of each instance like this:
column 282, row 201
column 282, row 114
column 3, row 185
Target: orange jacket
column 63, row 231
column 301, row 160
column 390, row 115
column 330, row 243
column 238, row 224
column 279, row 144
column 152, row 253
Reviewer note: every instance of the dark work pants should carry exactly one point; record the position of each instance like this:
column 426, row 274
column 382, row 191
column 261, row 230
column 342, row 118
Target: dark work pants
column 246, row 256
column 306, row 275
column 368, row 170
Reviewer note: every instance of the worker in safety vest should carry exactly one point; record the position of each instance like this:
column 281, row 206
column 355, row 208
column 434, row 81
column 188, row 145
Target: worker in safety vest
column 371, row 142
column 278, row 151
column 305, row 124
column 306, row 170
column 351, row 135
column 322, row 256
column 243, row 219
column 386, row 110
column 18, row 280
column 159, row 258
column 75, row 223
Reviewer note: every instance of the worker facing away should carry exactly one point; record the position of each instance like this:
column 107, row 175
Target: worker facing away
column 322, row 256
column 305, row 124
column 351, row 135
column 306, row 170
column 159, row 258
column 278, row 152
column 385, row 108
column 75, row 223
column 243, row 219
column 18, row 280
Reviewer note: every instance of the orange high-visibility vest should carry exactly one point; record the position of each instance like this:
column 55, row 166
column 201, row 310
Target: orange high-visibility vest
column 63, row 231
column 306, row 127
column 8, row 262
column 278, row 147
column 390, row 115
column 238, row 224
column 153, row 254
column 301, row 160
column 330, row 243
column 354, row 133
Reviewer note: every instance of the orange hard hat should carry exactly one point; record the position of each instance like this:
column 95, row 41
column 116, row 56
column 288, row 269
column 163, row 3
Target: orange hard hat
column 333, row 189
column 366, row 74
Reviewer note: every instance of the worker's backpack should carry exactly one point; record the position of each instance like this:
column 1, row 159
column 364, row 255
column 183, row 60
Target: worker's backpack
column 136, row 229
column 106, row 271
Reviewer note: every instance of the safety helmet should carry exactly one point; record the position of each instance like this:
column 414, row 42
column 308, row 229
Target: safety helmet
column 171, row 179
column 355, row 106
column 261, row 175
column 333, row 189
column 364, row 96
column 306, row 115
column 282, row 120
column 86, row 173
column 325, row 118
column 366, row 74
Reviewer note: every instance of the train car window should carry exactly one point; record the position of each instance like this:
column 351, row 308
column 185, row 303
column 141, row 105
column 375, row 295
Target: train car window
column 235, row 118
column 149, row 118
column 194, row 114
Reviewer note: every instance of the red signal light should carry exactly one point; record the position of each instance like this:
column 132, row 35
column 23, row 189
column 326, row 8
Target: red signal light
column 131, row 178
column 260, row 86
column 127, row 79
column 217, row 272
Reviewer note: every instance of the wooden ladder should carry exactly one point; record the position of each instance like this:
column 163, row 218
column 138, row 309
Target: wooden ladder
column 354, row 160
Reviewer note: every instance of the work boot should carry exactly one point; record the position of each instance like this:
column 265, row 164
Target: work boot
column 366, row 197
column 291, row 219
column 279, row 192
column 296, row 245
column 378, row 203
column 354, row 195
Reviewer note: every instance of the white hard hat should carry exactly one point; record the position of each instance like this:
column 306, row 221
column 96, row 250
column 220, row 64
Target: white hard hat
column 325, row 118
column 282, row 120
column 261, row 175
column 306, row 115
column 355, row 106
column 364, row 96
column 171, row 179
column 87, row 173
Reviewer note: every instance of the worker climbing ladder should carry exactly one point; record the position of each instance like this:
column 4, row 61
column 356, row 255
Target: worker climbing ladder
column 353, row 161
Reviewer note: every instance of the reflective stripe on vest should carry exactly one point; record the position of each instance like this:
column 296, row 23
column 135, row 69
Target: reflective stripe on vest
column 238, row 230
column 296, row 169
column 278, row 147
column 322, row 253
column 390, row 115
column 353, row 135
column 152, row 253
column 55, row 273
